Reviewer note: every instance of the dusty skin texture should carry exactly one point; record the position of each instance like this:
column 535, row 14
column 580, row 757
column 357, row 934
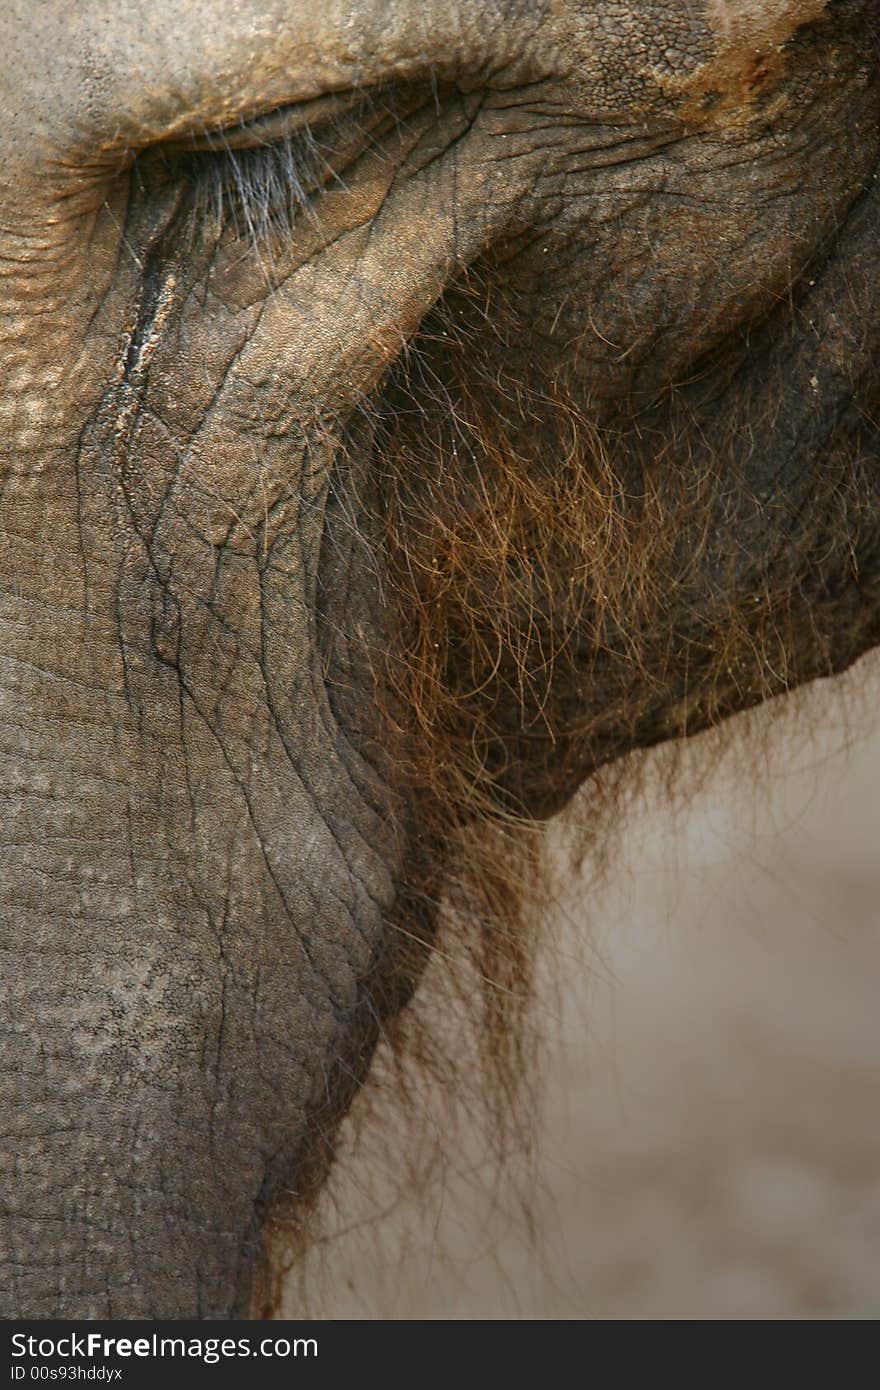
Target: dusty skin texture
column 406, row 412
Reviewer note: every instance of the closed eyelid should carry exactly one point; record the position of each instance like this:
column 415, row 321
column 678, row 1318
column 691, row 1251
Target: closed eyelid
column 259, row 176
column 282, row 122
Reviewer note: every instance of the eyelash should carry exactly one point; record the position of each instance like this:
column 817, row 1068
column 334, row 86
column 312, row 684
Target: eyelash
column 249, row 185
column 257, row 192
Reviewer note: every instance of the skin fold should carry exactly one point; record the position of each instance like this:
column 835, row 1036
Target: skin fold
column 405, row 410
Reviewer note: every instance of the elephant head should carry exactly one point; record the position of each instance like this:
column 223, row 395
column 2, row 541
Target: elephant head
column 407, row 410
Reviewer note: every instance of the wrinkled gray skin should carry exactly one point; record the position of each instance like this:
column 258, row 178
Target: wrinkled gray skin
column 196, row 870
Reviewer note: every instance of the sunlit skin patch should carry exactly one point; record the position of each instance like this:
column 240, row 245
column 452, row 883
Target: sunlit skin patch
column 751, row 37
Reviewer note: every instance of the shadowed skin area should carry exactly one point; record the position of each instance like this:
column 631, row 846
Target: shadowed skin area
column 406, row 410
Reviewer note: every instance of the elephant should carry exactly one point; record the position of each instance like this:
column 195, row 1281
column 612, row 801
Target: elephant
column 408, row 412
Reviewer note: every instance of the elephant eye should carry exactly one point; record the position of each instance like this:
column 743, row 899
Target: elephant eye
column 261, row 190
column 255, row 180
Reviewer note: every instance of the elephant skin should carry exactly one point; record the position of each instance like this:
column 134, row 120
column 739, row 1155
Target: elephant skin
column 406, row 410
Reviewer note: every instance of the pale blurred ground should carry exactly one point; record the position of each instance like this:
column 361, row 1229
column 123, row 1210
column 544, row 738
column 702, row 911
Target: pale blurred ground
column 708, row 1121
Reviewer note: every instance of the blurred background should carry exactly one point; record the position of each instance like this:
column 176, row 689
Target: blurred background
column 703, row 1139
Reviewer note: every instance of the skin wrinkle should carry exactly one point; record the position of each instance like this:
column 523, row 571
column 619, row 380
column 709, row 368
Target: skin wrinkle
column 279, row 491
